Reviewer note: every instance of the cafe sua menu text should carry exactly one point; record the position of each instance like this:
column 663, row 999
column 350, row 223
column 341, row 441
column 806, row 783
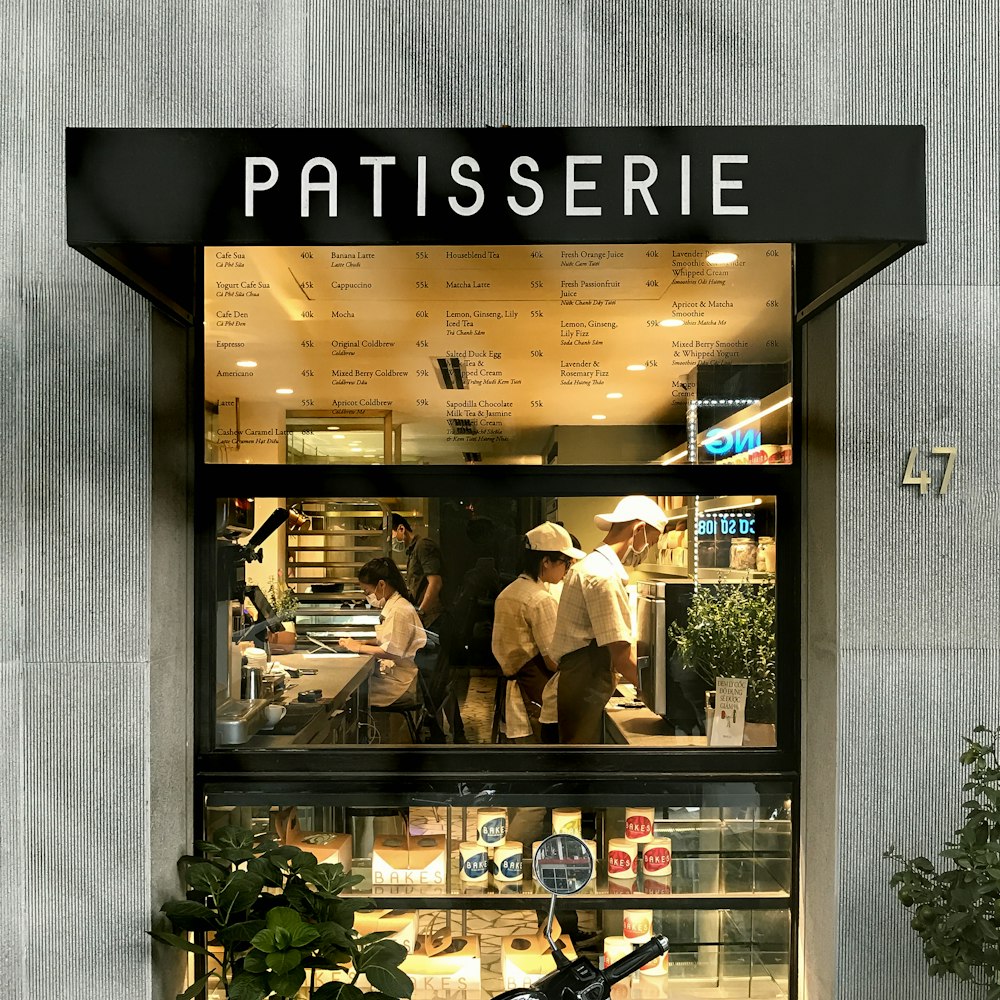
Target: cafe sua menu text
column 450, row 354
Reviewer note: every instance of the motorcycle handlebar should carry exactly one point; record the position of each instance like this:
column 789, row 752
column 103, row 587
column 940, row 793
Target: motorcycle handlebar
column 656, row 946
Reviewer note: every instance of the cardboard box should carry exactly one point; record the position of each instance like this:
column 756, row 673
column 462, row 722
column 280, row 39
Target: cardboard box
column 328, row 848
column 454, row 972
column 401, row 923
column 409, row 860
column 524, row 958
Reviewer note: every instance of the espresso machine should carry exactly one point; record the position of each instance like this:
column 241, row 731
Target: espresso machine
column 239, row 711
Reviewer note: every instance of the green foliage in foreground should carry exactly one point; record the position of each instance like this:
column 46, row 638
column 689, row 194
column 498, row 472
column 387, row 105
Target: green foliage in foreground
column 273, row 916
column 957, row 910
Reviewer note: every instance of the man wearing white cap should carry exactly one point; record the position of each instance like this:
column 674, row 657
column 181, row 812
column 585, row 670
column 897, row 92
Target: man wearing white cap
column 593, row 635
column 523, row 622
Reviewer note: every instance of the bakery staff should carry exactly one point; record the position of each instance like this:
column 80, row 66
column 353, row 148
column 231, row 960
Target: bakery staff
column 593, row 634
column 524, row 620
column 398, row 635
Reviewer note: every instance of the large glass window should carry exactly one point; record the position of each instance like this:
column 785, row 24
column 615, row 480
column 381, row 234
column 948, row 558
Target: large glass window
column 351, row 620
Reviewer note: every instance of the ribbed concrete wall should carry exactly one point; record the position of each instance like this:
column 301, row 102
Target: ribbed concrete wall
column 917, row 365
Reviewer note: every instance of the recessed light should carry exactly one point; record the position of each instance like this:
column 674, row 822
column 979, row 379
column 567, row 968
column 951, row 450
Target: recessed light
column 720, row 257
column 635, row 368
column 614, row 395
column 355, row 444
column 598, row 416
column 356, row 449
column 333, row 428
column 339, row 437
column 284, row 392
column 246, row 364
column 671, row 322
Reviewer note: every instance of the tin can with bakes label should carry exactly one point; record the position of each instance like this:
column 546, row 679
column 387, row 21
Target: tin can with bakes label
column 621, row 858
column 474, row 862
column 491, row 827
column 639, row 824
column 657, row 857
column 567, row 821
column 637, row 925
column 508, row 862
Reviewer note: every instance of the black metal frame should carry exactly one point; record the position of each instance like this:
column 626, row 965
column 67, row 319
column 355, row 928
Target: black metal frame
column 463, row 775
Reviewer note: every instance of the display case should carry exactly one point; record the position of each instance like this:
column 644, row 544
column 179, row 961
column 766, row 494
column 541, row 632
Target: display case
column 709, row 865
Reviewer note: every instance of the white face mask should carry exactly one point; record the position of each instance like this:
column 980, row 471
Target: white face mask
column 398, row 545
column 633, row 556
column 373, row 601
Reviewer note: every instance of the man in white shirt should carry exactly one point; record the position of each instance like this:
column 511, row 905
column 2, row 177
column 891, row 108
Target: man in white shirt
column 593, row 634
column 523, row 624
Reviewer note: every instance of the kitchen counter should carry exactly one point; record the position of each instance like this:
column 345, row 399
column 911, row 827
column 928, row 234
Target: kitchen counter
column 642, row 728
column 341, row 678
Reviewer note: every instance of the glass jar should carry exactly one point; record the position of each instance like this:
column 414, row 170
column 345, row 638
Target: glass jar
column 765, row 554
column 742, row 554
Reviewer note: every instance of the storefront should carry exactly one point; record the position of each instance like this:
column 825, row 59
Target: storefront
column 480, row 331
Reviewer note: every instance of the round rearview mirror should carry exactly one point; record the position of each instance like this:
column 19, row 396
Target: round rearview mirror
column 562, row 864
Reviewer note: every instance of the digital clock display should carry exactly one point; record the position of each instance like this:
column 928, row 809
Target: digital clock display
column 727, row 524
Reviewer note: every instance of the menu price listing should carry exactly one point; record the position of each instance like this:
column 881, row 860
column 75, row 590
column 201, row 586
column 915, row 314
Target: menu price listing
column 571, row 318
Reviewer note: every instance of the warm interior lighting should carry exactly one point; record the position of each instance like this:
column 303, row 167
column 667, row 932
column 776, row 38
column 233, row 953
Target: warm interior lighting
column 333, row 428
column 284, row 392
column 757, row 416
column 721, row 257
column 635, row 368
column 246, row 364
column 614, row 395
column 671, row 322
column 598, row 416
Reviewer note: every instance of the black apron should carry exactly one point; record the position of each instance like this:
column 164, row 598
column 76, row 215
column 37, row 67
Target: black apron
column 586, row 683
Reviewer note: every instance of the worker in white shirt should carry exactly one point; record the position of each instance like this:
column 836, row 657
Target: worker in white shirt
column 523, row 623
column 593, row 635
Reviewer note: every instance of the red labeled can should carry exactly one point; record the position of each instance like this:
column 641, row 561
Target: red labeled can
column 639, row 824
column 657, row 857
column 622, row 860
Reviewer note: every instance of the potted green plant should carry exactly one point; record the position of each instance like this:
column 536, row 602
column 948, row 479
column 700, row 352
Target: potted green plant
column 957, row 909
column 729, row 631
column 282, row 598
column 269, row 917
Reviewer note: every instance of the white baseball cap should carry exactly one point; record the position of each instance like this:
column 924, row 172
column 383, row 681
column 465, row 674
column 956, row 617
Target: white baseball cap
column 549, row 537
column 634, row 508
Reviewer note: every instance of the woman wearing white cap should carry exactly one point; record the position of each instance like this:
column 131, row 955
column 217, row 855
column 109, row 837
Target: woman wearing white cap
column 593, row 635
column 523, row 623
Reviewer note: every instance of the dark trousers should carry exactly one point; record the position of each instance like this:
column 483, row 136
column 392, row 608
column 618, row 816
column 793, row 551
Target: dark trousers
column 586, row 682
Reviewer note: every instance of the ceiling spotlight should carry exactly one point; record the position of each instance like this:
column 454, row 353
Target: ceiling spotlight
column 720, row 257
column 671, row 322
column 635, row 368
column 598, row 416
column 333, row 428
column 284, row 392
column 246, row 364
column 356, row 448
column 339, row 437
column 614, row 395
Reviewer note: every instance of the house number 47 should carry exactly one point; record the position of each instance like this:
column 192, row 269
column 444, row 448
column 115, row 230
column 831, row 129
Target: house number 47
column 922, row 479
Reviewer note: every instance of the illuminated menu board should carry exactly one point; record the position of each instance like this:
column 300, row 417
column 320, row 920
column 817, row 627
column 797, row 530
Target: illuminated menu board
column 473, row 353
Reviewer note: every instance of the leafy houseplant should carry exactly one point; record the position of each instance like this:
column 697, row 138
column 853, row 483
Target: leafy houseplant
column 282, row 598
column 273, row 916
column 729, row 632
column 957, row 910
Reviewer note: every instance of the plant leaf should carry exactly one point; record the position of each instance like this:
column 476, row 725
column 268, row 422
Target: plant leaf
column 284, row 961
column 176, row 941
column 204, row 876
column 234, row 837
column 196, row 987
column 303, row 935
column 247, row 986
column 188, row 915
column 288, row 983
column 239, row 893
column 380, row 964
column 283, row 916
column 339, row 991
column 241, row 934
column 256, row 961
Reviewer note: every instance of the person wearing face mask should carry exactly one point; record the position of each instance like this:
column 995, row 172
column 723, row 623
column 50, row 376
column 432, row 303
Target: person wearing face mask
column 593, row 633
column 523, row 623
column 398, row 636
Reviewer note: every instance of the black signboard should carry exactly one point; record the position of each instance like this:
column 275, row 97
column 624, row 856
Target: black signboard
column 781, row 184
